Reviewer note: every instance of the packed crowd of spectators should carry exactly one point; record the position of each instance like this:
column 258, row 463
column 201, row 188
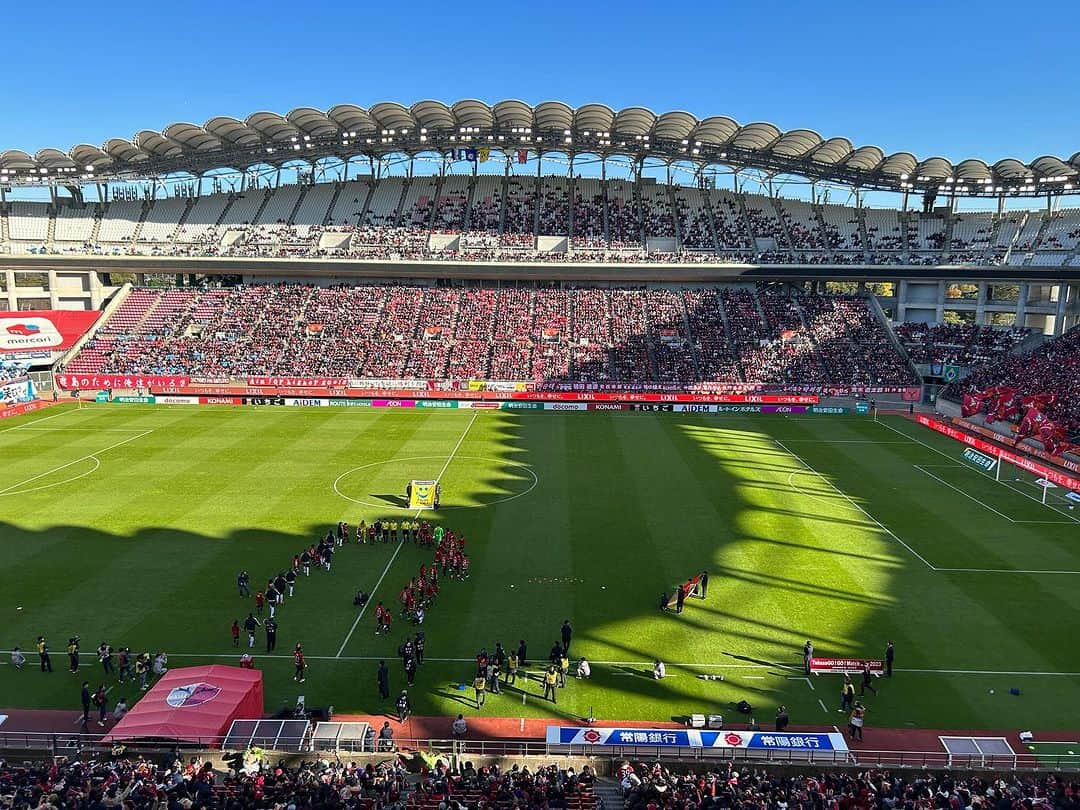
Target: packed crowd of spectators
column 960, row 344
column 253, row 782
column 646, row 787
column 250, row 780
column 495, row 787
column 1053, row 368
column 854, row 346
column 606, row 217
column 12, row 372
column 582, row 334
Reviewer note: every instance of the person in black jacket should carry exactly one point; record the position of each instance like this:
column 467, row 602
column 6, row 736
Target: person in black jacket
column 383, row 679
column 782, row 718
column 567, row 631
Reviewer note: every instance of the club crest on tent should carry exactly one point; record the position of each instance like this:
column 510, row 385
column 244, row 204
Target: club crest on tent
column 192, row 694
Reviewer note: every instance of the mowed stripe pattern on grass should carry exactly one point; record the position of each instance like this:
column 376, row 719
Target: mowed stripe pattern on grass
column 144, row 551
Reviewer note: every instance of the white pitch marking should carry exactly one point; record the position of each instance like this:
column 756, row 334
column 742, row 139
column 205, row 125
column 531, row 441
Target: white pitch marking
column 967, row 495
column 1005, row 571
column 946, row 455
column 841, row 441
column 76, row 461
column 846, row 497
column 690, row 665
column 96, row 467
column 824, row 708
column 371, row 597
column 51, row 429
column 25, row 425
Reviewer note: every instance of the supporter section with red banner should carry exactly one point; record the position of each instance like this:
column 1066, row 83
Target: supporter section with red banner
column 193, row 704
column 37, row 334
column 128, row 382
column 1021, row 461
column 1005, row 403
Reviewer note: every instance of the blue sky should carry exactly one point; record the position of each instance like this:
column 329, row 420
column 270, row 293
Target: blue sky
column 989, row 80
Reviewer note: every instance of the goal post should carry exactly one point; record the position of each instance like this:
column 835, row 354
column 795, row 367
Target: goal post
column 423, row 494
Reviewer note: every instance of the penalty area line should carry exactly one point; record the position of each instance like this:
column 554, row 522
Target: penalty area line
column 848, row 498
column 76, row 461
column 967, row 495
column 386, row 570
column 943, row 454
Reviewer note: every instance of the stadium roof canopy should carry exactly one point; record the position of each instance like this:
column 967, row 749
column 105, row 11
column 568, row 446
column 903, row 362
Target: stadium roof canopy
column 384, row 129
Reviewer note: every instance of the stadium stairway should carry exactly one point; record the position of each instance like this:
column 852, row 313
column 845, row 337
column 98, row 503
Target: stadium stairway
column 883, row 320
column 607, row 790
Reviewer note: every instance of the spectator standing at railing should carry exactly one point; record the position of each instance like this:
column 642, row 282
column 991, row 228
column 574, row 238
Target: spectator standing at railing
column 86, row 698
column 856, row 721
column 459, row 727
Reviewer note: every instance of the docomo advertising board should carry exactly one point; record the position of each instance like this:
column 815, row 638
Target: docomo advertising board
column 1023, row 462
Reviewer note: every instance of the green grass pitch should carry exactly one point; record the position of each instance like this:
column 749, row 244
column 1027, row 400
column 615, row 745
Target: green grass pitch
column 129, row 523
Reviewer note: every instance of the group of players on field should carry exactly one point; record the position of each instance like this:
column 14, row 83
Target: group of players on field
column 417, row 596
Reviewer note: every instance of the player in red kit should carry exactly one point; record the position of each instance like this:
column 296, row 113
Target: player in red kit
column 298, row 661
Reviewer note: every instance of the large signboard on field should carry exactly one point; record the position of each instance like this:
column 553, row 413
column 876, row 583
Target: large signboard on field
column 980, row 460
column 693, row 738
column 848, row 666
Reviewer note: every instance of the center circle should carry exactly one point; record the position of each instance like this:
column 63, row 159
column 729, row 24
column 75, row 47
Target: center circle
column 383, row 482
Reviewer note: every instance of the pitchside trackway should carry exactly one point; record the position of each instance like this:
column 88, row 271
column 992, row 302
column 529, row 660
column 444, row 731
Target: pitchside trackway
column 129, row 523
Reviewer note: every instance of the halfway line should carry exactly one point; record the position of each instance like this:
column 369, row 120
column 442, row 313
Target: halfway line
column 371, row 597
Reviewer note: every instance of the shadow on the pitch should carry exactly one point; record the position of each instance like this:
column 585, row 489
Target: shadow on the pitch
column 396, row 501
column 458, row 696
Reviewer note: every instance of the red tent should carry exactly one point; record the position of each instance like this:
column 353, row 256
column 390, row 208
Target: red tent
column 194, row 704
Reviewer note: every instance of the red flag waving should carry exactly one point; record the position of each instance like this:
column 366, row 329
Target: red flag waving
column 971, row 404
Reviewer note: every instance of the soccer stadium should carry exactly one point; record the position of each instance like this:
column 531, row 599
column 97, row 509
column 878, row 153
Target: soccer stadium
column 512, row 455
